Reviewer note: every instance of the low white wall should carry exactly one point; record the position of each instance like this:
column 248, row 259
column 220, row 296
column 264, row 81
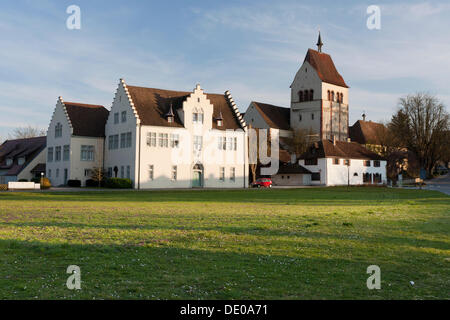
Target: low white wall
column 23, row 186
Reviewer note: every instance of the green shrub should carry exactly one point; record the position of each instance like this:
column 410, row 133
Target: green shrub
column 3, row 187
column 118, row 183
column 36, row 180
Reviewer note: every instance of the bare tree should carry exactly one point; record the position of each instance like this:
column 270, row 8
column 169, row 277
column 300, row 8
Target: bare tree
column 300, row 141
column 27, row 132
column 421, row 125
column 98, row 174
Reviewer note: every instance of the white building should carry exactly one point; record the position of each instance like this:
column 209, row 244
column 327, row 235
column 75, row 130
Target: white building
column 172, row 139
column 334, row 163
column 75, row 140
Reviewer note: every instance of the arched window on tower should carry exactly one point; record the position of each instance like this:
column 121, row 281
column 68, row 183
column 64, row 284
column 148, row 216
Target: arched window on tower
column 329, row 95
column 305, row 93
column 300, row 96
column 311, row 95
column 332, row 95
column 342, row 98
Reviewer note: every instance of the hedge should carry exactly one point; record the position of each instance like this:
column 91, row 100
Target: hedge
column 118, row 183
column 74, row 183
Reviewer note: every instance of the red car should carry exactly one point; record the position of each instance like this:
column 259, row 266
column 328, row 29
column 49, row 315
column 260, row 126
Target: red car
column 262, row 182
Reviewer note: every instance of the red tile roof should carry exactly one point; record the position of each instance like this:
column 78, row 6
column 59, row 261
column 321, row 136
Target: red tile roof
column 347, row 150
column 276, row 117
column 87, row 120
column 366, row 132
column 152, row 104
column 325, row 67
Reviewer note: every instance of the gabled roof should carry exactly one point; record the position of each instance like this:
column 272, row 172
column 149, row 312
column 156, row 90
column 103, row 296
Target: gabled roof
column 87, row 120
column 292, row 168
column 325, row 67
column 152, row 104
column 347, row 150
column 276, row 117
column 366, row 132
column 20, row 148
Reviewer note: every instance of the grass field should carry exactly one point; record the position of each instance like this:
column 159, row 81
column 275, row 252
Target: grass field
column 254, row 244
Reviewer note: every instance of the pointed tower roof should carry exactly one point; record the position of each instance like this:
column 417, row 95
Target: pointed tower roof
column 325, row 67
column 319, row 43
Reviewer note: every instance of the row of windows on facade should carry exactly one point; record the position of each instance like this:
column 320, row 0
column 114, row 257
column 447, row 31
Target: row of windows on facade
column 372, row 178
column 125, row 141
column 123, row 117
column 346, row 162
column 87, row 153
column 20, row 161
column 338, row 97
column 49, row 173
column 174, row 172
column 308, row 95
column 224, row 143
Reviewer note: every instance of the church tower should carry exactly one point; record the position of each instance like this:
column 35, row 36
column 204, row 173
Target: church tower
column 319, row 97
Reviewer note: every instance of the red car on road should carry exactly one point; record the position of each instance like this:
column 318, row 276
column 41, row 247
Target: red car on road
column 262, row 182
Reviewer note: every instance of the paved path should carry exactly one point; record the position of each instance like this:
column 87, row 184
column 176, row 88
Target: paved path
column 441, row 184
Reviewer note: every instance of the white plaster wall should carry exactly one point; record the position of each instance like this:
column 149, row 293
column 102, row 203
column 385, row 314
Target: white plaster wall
column 337, row 174
column 59, row 115
column 78, row 167
column 254, row 119
column 291, row 179
column 126, row 156
column 320, row 167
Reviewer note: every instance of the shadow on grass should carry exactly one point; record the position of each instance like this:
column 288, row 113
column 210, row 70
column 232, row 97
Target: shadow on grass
column 38, row 270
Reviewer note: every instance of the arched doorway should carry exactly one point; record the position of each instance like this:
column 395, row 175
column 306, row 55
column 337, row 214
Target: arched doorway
column 197, row 176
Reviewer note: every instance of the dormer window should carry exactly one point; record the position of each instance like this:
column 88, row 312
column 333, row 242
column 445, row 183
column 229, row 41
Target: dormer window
column 21, row 161
column 58, row 130
column 170, row 116
column 9, row 161
column 219, row 119
column 197, row 116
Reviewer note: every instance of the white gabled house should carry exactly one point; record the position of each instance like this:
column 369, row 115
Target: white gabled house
column 172, row 139
column 75, row 140
column 334, row 163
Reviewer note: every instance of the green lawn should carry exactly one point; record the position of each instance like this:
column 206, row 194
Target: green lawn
column 243, row 244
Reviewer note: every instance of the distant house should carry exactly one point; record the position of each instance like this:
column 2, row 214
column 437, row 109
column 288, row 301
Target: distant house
column 343, row 163
column 266, row 116
column 22, row 159
column 75, row 140
column 176, row 139
column 291, row 174
column 368, row 133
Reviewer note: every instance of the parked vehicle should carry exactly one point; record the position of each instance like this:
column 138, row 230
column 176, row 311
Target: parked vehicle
column 262, row 182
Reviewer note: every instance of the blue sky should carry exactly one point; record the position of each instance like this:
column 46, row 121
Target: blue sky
column 252, row 48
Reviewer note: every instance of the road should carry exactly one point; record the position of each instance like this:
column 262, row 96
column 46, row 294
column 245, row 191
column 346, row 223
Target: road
column 441, row 184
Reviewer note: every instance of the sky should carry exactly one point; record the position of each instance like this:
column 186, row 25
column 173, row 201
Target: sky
column 252, row 48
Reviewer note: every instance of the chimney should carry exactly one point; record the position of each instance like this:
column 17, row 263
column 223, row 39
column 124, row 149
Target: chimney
column 364, row 116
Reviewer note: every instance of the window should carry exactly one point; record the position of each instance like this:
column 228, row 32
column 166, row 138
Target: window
column 311, row 95
column 366, row 163
column 300, row 96
column 50, row 154
column 367, row 178
column 116, row 118
column 110, row 172
column 312, row 116
column 315, row 176
column 376, row 163
column 123, row 137
column 174, row 140
column 222, row 143
column 329, row 95
column 342, row 98
column 311, row 162
column 332, row 95
column 198, row 141
column 21, row 161
column 151, row 139
column 229, row 143
column 122, row 172
column 57, row 173
column 376, row 178
column 124, row 116
column 174, row 173
column 347, row 162
column 299, row 117
column 58, row 130
column 222, row 174
column 233, row 174
column 128, row 172
column 305, row 95
column 336, row 161
column 87, row 172
column 151, row 172
column 66, row 152
column 163, row 140
column 197, row 116
column 113, row 142
column 235, row 144
column 58, row 154
column 49, row 173
column 87, row 153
